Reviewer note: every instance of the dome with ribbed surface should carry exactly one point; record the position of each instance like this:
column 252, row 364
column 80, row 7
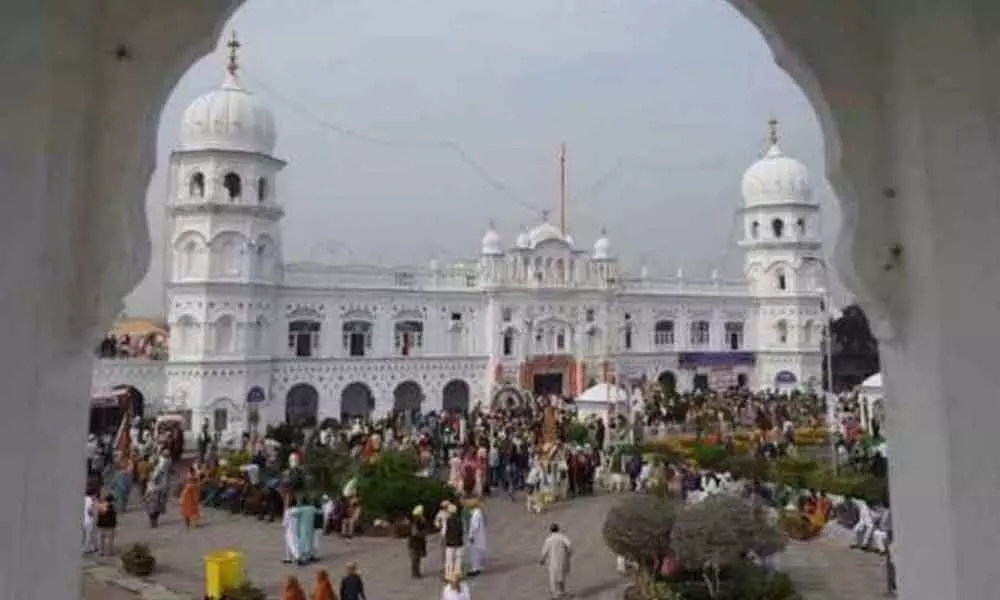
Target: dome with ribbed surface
column 229, row 118
column 776, row 178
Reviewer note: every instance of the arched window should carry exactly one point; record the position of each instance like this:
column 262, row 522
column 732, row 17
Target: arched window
column 734, row 335
column 233, row 185
column 409, row 336
column 260, row 335
column 800, row 225
column 561, row 341
column 183, row 335
column 508, row 343
column 781, row 329
column 224, row 331
column 303, row 338
column 187, row 258
column 196, row 187
column 357, row 337
column 807, row 331
column 782, row 281
column 663, row 333
column 755, row 230
column 701, row 333
column 262, row 189
column 777, row 228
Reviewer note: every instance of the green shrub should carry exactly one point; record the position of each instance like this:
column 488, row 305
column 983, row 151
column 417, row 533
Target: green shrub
column 710, row 456
column 327, row 469
column 577, row 433
column 794, row 472
column 389, row 487
column 748, row 466
column 138, row 560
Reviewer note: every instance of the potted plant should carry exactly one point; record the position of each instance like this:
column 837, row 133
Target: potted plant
column 138, row 560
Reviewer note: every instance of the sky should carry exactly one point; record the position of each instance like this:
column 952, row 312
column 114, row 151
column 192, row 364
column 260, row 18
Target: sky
column 409, row 125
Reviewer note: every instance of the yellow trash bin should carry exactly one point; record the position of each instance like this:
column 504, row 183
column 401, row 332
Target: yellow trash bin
column 223, row 570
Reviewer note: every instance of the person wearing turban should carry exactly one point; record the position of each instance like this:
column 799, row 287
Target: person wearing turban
column 417, row 541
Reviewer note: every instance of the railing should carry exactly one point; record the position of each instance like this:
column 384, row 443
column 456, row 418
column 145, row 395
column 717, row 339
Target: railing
column 663, row 338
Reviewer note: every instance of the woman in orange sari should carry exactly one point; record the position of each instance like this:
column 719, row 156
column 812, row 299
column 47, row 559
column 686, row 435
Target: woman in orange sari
column 190, row 502
column 293, row 589
column 324, row 588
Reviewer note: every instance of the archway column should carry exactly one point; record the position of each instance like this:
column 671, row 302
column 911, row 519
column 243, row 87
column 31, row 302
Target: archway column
column 77, row 148
column 910, row 100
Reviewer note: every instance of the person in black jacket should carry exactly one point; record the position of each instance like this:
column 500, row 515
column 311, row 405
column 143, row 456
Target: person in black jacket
column 417, row 541
column 454, row 540
column 107, row 522
column 351, row 586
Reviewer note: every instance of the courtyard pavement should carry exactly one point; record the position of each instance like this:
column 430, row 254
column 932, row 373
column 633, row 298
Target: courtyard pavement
column 824, row 569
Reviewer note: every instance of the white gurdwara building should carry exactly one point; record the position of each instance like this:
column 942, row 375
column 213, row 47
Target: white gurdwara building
column 257, row 340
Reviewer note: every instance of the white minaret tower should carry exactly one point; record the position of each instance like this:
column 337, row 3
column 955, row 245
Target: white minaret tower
column 224, row 254
column 784, row 269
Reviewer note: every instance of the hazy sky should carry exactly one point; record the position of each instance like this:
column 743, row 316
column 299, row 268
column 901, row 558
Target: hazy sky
column 408, row 125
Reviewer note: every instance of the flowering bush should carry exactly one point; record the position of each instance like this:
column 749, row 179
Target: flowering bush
column 798, row 526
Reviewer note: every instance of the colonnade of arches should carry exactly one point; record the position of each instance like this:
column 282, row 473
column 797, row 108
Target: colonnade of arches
column 357, row 400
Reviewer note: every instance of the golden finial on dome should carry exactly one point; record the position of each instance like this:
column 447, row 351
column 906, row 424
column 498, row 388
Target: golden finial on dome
column 234, row 50
column 772, row 131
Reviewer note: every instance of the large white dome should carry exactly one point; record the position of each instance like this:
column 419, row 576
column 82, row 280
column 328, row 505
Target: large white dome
column 776, row 178
column 545, row 232
column 229, row 118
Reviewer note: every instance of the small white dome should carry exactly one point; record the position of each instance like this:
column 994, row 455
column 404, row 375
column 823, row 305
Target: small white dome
column 229, row 118
column 491, row 241
column 602, row 247
column 523, row 240
column 776, row 178
column 569, row 239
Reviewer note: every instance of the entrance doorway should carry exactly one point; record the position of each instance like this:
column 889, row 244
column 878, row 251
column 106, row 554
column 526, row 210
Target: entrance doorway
column 548, row 383
column 701, row 382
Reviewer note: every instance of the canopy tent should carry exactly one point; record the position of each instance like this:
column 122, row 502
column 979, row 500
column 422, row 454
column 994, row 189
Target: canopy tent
column 138, row 327
column 872, row 399
column 598, row 400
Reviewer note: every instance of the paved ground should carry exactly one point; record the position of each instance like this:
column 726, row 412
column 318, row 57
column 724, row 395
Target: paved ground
column 823, row 569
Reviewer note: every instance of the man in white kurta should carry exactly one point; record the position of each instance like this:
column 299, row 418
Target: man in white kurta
column 476, row 538
column 557, row 553
column 290, row 524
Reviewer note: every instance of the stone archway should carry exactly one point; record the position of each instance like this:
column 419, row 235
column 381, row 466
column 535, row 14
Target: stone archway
column 408, row 397
column 667, row 381
column 302, row 406
column 455, row 396
column 869, row 59
column 356, row 402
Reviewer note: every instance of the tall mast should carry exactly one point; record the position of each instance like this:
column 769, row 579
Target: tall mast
column 562, row 189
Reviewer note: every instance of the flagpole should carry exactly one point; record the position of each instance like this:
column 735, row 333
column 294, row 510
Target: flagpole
column 562, row 189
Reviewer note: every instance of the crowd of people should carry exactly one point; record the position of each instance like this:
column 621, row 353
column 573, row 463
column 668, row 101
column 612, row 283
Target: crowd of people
column 151, row 346
column 522, row 450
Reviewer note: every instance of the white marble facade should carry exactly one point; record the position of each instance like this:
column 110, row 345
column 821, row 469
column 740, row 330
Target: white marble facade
column 337, row 340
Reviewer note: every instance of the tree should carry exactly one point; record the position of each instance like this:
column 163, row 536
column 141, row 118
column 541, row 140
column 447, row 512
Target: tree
column 721, row 532
column 854, row 349
column 638, row 528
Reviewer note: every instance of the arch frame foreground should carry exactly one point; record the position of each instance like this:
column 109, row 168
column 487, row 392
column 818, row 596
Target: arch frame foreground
column 903, row 100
